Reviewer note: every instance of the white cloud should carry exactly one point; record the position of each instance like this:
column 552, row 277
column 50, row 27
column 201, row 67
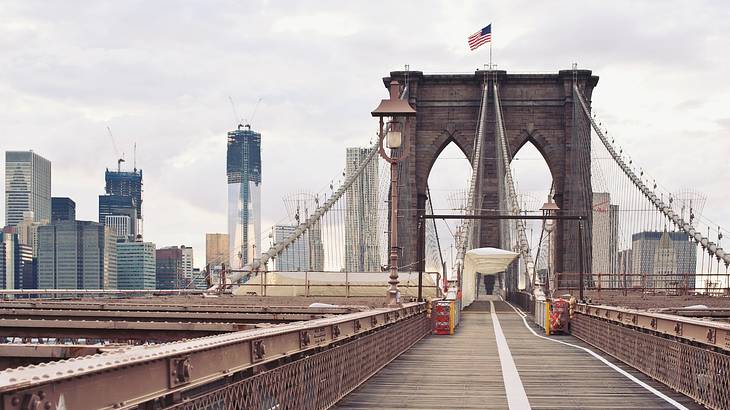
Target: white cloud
column 160, row 73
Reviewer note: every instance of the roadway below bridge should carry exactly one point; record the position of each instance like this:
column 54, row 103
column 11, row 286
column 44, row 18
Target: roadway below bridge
column 497, row 360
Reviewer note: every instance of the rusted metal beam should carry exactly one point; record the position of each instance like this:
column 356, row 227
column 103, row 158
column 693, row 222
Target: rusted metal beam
column 179, row 306
column 709, row 333
column 16, row 354
column 161, row 373
column 697, row 312
column 159, row 316
column 109, row 330
column 107, row 292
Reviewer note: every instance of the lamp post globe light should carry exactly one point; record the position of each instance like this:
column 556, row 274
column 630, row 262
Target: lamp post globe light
column 397, row 111
column 549, row 210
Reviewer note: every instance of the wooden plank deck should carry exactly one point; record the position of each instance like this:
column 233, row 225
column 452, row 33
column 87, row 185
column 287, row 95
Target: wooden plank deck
column 464, row 372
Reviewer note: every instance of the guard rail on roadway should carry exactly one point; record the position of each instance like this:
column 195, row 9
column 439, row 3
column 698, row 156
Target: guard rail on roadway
column 303, row 365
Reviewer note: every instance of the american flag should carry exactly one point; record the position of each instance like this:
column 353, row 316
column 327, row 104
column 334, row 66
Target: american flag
column 480, row 37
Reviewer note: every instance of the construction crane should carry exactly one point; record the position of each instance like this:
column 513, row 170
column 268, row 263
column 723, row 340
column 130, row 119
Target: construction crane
column 242, row 122
column 116, row 152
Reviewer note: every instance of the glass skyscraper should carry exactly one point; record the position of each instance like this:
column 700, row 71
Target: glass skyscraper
column 243, row 168
column 123, row 198
column 136, row 265
column 63, row 209
column 362, row 248
column 296, row 256
column 27, row 186
column 76, row 255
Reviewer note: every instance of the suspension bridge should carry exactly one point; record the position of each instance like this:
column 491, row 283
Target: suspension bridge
column 635, row 270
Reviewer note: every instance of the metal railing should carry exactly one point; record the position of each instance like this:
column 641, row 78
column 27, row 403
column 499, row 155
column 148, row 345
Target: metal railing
column 665, row 283
column 348, row 288
column 317, row 381
column 689, row 355
column 541, row 311
column 523, row 300
column 322, row 359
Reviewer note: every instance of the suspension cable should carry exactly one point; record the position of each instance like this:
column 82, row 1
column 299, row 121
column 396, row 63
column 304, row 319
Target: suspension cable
column 664, row 208
column 512, row 194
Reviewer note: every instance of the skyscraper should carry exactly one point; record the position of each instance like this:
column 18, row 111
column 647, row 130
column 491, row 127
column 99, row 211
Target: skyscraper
column 216, row 249
column 27, row 186
column 123, row 197
column 362, row 250
column 62, row 209
column 663, row 260
column 296, row 256
column 114, row 210
column 244, row 196
column 76, row 255
column 27, row 231
column 299, row 206
column 624, row 268
column 169, row 273
column 605, row 240
column 16, row 262
column 136, row 265
column 120, row 225
column 187, row 263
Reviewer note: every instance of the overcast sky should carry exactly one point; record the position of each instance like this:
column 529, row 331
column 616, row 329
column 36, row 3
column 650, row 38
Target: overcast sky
column 160, row 74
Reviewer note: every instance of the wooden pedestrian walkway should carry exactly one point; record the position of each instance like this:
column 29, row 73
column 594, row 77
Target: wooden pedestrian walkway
column 465, row 371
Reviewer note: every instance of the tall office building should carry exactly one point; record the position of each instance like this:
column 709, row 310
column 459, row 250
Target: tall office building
column 136, row 265
column 604, row 240
column 120, row 225
column 187, row 263
column 244, row 196
column 315, row 248
column 27, row 230
column 76, row 255
column 120, row 214
column 663, row 260
column 27, row 186
column 199, row 281
column 169, row 268
column 362, row 250
column 216, row 249
column 296, row 256
column 624, row 268
column 123, row 197
column 16, row 262
column 63, row 209
column 299, row 206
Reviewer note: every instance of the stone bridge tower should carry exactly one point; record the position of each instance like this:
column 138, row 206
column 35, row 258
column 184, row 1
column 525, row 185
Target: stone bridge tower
column 536, row 107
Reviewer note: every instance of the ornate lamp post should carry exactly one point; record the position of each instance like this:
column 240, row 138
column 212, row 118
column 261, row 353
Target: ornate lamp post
column 398, row 111
column 549, row 209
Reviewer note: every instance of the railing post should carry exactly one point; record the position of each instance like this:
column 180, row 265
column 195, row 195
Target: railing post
column 306, row 283
column 347, row 284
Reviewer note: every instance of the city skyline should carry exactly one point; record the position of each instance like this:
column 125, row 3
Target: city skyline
column 178, row 115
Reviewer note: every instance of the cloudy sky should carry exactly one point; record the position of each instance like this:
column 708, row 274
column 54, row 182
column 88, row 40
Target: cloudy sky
column 160, row 74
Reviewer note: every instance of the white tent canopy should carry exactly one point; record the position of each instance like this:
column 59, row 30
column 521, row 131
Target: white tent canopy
column 483, row 261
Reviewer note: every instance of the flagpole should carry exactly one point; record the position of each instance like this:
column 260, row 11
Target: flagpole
column 490, row 55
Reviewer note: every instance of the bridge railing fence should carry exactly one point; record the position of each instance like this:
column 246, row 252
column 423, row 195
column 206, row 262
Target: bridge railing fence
column 309, row 365
column 689, row 355
column 683, row 283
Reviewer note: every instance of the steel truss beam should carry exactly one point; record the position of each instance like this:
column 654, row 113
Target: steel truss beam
column 110, row 330
column 186, row 306
column 160, row 374
column 152, row 316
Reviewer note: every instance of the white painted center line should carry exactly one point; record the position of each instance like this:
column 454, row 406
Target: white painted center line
column 604, row 361
column 516, row 396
